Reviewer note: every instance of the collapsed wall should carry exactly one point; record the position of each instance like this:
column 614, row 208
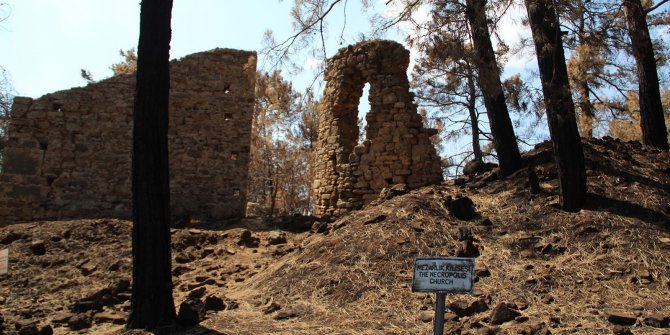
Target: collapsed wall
column 69, row 153
column 397, row 148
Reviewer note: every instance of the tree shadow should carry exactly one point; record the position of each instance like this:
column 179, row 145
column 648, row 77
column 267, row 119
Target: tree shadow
column 617, row 166
column 597, row 202
column 199, row 330
column 288, row 223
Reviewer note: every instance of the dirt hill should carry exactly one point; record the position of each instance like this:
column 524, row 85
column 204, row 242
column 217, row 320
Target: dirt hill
column 540, row 270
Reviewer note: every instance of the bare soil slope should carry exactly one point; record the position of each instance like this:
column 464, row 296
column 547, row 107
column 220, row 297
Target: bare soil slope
column 540, row 270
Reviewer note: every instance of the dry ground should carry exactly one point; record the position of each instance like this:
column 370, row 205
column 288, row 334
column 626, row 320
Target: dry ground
column 558, row 272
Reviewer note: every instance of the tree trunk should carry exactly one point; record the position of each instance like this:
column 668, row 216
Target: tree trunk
column 152, row 305
column 509, row 157
column 567, row 144
column 474, row 118
column 654, row 132
column 586, row 109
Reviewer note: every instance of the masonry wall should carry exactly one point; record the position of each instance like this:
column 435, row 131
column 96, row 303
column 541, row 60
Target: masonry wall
column 397, row 148
column 69, row 152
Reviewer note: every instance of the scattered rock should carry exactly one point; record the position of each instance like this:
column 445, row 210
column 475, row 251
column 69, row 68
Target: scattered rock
column 206, row 252
column 481, row 270
column 502, row 313
column 11, row 237
column 115, row 266
column 319, row 227
column 621, row 318
column 285, row 315
column 62, row 317
column 486, row 222
column 467, row 249
column 645, row 277
column 32, row 329
column 248, row 240
column 191, row 312
column 376, row 219
column 184, row 257
column 463, row 208
column 621, row 330
column 520, row 303
column 468, row 308
column 276, row 237
column 476, row 166
column 197, row 293
column 297, row 223
column 272, row 307
column 426, row 316
column 388, row 193
column 38, row 248
column 109, row 317
column 231, row 304
column 214, row 303
column 88, row 268
column 533, row 183
column 488, row 331
column 82, row 306
column 657, row 320
column 547, row 299
column 79, row 321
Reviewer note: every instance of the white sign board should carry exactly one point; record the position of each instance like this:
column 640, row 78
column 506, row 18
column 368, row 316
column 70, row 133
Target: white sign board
column 444, row 274
column 4, row 261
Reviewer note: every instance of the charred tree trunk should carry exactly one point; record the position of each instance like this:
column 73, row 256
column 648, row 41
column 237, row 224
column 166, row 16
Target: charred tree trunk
column 567, row 144
column 152, row 305
column 474, row 118
column 509, row 156
column 652, row 122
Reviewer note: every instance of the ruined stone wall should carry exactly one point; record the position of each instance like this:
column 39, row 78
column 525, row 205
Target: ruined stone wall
column 69, row 152
column 396, row 150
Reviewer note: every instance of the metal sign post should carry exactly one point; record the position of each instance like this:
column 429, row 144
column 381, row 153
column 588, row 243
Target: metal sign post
column 443, row 275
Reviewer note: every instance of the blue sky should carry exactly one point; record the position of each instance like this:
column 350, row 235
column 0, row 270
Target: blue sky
column 45, row 43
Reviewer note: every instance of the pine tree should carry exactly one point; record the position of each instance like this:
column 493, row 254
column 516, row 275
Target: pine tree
column 654, row 132
column 560, row 109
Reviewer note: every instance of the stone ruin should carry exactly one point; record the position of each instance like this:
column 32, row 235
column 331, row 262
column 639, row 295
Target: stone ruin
column 397, row 148
column 69, row 153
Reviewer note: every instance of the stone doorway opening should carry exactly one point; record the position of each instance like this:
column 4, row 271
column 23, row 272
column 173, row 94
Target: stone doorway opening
column 396, row 149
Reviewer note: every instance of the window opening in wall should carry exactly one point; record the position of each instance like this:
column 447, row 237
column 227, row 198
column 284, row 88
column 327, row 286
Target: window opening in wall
column 226, row 88
column 233, row 156
column 58, row 107
column 236, row 192
column 363, row 109
column 228, row 116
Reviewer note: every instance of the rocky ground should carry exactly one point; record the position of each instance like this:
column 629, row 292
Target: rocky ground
column 540, row 270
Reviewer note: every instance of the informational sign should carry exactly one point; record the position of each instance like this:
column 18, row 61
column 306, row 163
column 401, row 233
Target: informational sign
column 444, row 275
column 4, row 261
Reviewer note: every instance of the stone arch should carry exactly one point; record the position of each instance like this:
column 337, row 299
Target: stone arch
column 396, row 150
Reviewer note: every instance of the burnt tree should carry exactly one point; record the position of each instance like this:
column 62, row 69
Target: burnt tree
column 567, row 144
column 652, row 121
column 509, row 157
column 152, row 305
